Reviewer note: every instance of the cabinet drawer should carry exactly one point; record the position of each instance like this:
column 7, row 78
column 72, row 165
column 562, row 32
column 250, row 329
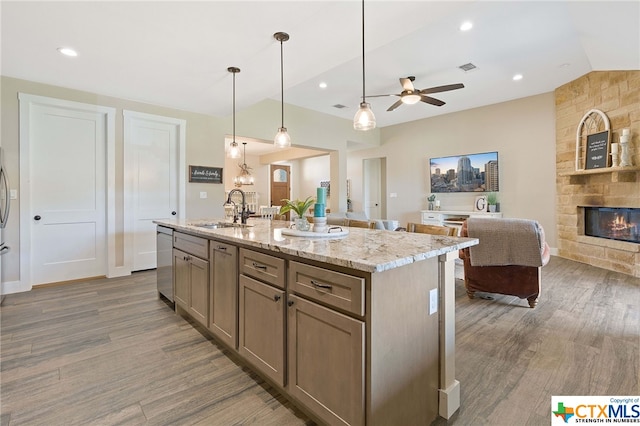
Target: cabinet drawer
column 335, row 289
column 193, row 245
column 267, row 268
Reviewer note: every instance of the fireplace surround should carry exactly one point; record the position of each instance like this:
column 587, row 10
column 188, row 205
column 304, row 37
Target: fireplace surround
column 615, row 223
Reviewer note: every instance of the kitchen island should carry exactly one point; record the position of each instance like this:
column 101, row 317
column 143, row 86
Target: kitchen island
column 358, row 329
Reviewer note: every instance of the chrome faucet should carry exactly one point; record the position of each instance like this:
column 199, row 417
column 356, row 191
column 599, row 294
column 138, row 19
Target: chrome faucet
column 245, row 211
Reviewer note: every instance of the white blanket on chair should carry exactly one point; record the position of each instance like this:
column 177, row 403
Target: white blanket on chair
column 505, row 242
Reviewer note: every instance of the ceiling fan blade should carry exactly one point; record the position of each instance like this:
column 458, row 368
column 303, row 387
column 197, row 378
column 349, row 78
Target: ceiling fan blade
column 432, row 101
column 407, row 84
column 394, row 106
column 439, row 89
column 379, row 96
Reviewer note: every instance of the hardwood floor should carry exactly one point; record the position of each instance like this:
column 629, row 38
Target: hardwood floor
column 106, row 352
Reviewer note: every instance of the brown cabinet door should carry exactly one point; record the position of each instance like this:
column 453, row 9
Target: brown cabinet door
column 326, row 362
column 181, row 278
column 261, row 331
column 199, row 301
column 224, row 293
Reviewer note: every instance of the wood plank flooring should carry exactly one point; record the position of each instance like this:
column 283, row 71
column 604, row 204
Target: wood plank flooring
column 108, row 352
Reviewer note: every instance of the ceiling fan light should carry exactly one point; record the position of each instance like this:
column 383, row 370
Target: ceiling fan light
column 411, row 98
column 364, row 118
column 282, row 139
column 234, row 150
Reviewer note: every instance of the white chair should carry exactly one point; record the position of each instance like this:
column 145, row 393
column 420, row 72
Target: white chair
column 268, row 212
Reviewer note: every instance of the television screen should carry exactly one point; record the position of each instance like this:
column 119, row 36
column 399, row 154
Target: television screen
column 465, row 173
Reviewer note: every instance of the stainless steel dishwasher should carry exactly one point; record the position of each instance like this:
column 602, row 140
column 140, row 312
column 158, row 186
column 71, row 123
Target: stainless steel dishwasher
column 164, row 268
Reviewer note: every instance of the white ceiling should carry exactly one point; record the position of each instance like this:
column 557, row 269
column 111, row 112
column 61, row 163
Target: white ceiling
column 176, row 54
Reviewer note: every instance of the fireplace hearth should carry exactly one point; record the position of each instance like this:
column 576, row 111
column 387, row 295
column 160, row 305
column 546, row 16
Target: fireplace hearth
column 615, row 223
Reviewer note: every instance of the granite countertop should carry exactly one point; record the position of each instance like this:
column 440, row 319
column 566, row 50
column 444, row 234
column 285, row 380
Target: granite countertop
column 362, row 249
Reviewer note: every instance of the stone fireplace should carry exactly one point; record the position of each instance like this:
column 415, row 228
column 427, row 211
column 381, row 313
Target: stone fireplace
column 616, row 93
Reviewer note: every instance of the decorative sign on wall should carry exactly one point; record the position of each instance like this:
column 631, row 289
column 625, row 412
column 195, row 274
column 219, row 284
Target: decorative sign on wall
column 597, row 149
column 203, row 174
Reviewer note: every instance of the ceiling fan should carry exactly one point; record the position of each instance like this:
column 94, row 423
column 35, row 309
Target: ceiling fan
column 410, row 95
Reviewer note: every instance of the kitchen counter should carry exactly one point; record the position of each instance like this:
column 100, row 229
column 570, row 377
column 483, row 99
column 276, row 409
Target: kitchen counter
column 362, row 249
column 403, row 320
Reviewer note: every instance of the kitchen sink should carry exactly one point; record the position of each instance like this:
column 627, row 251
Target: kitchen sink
column 221, row 225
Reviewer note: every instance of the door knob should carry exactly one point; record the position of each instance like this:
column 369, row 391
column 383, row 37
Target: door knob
column 173, row 213
column 37, row 217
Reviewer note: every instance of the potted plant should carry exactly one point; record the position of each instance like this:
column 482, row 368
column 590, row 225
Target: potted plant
column 492, row 201
column 300, row 208
column 431, row 198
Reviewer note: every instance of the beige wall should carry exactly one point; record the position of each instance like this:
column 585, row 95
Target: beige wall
column 523, row 133
column 205, row 137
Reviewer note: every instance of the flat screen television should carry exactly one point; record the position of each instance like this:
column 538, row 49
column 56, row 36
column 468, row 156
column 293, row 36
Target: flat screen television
column 465, row 173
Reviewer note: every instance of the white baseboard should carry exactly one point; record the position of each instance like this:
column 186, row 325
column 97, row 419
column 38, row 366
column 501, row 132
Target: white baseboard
column 14, row 287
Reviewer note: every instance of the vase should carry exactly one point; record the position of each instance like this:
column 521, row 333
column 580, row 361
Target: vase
column 492, row 208
column 302, row 224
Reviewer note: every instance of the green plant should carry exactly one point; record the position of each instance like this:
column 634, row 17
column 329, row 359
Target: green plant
column 431, row 197
column 298, row 206
column 492, row 198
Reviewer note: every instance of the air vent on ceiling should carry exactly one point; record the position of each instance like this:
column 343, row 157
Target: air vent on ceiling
column 339, row 106
column 467, row 67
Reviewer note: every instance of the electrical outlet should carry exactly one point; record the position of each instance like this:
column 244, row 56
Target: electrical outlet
column 203, row 194
column 433, row 301
column 393, row 195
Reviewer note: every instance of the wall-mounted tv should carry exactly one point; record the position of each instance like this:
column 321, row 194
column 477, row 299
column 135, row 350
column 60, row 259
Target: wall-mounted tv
column 465, row 173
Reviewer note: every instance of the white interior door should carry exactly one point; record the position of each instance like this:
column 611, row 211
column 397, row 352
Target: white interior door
column 372, row 187
column 152, row 164
column 63, row 169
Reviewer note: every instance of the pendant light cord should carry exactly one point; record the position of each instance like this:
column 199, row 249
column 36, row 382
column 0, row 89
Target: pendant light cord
column 363, row 73
column 282, row 83
column 234, row 107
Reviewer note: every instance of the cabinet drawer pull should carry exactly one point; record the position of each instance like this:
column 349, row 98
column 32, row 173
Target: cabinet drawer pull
column 222, row 248
column 276, row 297
column 320, row 285
column 290, row 303
column 259, row 266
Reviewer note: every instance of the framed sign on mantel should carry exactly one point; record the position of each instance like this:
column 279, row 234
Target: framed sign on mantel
column 203, row 174
column 597, row 151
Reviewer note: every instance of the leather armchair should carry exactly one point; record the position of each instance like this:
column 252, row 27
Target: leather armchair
column 510, row 279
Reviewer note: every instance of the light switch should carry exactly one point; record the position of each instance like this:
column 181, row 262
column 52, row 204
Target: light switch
column 203, row 194
column 433, row 301
column 393, row 195
column 13, row 193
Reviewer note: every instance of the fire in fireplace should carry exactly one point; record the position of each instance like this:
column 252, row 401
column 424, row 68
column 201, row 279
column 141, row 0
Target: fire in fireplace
column 615, row 223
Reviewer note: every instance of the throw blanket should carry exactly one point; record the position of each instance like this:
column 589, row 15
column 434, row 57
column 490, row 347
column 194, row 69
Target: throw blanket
column 505, row 242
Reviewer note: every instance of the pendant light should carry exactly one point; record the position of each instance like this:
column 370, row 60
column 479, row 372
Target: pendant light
column 282, row 139
column 244, row 178
column 364, row 119
column 234, row 149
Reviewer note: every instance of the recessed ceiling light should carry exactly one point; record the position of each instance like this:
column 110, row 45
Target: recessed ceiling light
column 67, row 51
column 517, row 77
column 466, row 26
column 322, row 85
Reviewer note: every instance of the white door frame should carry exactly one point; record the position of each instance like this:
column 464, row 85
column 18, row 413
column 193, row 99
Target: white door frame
column 129, row 179
column 26, row 102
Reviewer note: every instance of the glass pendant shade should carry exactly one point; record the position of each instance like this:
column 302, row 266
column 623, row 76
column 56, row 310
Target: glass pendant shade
column 364, row 119
column 234, row 150
column 282, row 139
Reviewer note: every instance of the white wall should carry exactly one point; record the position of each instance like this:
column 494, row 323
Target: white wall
column 312, row 172
column 523, row 133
